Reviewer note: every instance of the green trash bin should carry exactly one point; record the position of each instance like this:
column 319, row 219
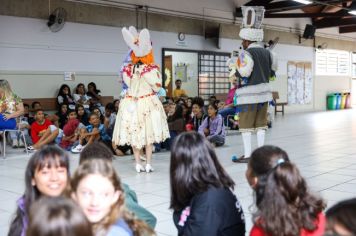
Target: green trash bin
column 331, row 101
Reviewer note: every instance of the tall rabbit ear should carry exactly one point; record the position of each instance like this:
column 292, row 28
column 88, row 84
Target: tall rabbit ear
column 144, row 43
column 133, row 31
column 129, row 39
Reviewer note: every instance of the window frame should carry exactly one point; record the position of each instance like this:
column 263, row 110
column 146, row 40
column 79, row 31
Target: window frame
column 333, row 62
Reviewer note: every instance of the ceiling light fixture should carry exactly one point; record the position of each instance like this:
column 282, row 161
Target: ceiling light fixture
column 304, row 1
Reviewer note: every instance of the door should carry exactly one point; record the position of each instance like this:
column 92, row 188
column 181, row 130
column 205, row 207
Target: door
column 167, row 75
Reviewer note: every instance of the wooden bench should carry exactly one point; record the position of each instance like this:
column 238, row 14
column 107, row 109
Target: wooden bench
column 275, row 96
column 50, row 104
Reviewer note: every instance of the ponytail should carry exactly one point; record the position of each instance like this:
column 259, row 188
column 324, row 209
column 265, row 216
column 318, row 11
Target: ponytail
column 283, row 200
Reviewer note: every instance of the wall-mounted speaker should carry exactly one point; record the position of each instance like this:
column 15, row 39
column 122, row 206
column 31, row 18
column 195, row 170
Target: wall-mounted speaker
column 213, row 32
column 309, row 31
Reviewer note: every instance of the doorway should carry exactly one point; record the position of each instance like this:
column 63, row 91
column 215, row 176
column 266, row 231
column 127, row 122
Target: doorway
column 167, row 75
column 203, row 73
column 180, row 65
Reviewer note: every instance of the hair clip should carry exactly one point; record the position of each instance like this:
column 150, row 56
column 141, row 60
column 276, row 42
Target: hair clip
column 280, row 161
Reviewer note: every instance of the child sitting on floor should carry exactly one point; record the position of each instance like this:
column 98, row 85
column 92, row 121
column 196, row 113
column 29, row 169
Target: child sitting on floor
column 93, row 132
column 42, row 131
column 213, row 127
column 109, row 118
column 82, row 116
column 71, row 131
column 285, row 205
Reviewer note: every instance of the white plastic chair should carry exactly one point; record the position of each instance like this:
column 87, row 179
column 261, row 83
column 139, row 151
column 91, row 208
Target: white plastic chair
column 4, row 139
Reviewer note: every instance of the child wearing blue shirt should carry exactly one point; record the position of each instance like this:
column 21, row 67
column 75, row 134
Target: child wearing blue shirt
column 95, row 131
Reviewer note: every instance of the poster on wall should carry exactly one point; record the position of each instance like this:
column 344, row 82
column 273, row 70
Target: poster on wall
column 69, row 76
column 299, row 82
column 181, row 72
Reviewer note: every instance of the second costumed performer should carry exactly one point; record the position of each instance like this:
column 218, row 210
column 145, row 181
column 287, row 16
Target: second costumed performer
column 254, row 68
column 141, row 120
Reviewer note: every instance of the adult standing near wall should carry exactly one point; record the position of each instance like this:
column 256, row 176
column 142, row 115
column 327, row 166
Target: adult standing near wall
column 178, row 92
column 254, row 67
column 141, row 120
column 11, row 106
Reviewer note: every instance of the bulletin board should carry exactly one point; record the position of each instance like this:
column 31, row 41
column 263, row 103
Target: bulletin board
column 300, row 82
column 181, row 72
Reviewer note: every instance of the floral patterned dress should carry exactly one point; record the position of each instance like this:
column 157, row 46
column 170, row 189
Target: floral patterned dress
column 141, row 119
column 8, row 106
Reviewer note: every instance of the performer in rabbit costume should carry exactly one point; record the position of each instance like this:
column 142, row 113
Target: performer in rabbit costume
column 141, row 120
column 254, row 67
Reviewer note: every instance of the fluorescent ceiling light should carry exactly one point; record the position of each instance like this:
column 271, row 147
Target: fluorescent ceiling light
column 304, row 1
column 352, row 12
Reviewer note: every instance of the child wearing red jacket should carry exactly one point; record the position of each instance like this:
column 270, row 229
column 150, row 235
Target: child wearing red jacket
column 285, row 206
column 71, row 131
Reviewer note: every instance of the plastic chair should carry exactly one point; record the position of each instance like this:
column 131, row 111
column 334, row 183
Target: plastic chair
column 4, row 139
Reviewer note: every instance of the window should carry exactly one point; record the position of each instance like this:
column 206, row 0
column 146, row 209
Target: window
column 332, row 62
column 213, row 74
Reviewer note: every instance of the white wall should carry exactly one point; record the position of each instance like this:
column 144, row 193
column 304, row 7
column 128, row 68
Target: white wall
column 291, row 53
column 34, row 59
column 32, row 55
column 191, row 60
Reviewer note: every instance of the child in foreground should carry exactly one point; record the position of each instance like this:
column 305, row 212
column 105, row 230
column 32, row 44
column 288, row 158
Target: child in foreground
column 97, row 190
column 285, row 205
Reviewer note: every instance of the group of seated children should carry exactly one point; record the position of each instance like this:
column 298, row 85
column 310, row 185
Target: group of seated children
column 187, row 114
column 75, row 124
column 80, row 120
column 88, row 99
column 94, row 201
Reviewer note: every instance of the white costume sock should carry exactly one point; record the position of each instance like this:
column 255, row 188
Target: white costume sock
column 261, row 137
column 246, row 138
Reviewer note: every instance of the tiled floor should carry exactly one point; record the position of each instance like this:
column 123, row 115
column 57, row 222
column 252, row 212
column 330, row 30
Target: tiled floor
column 322, row 144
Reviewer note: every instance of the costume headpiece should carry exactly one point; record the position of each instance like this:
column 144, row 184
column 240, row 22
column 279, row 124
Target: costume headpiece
column 251, row 23
column 140, row 43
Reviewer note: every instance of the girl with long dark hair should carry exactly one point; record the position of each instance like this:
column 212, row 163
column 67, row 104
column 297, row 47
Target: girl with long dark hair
column 82, row 116
column 285, row 206
column 62, row 114
column 64, row 97
column 202, row 195
column 47, row 174
column 213, row 126
column 80, row 96
column 94, row 94
column 116, row 105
